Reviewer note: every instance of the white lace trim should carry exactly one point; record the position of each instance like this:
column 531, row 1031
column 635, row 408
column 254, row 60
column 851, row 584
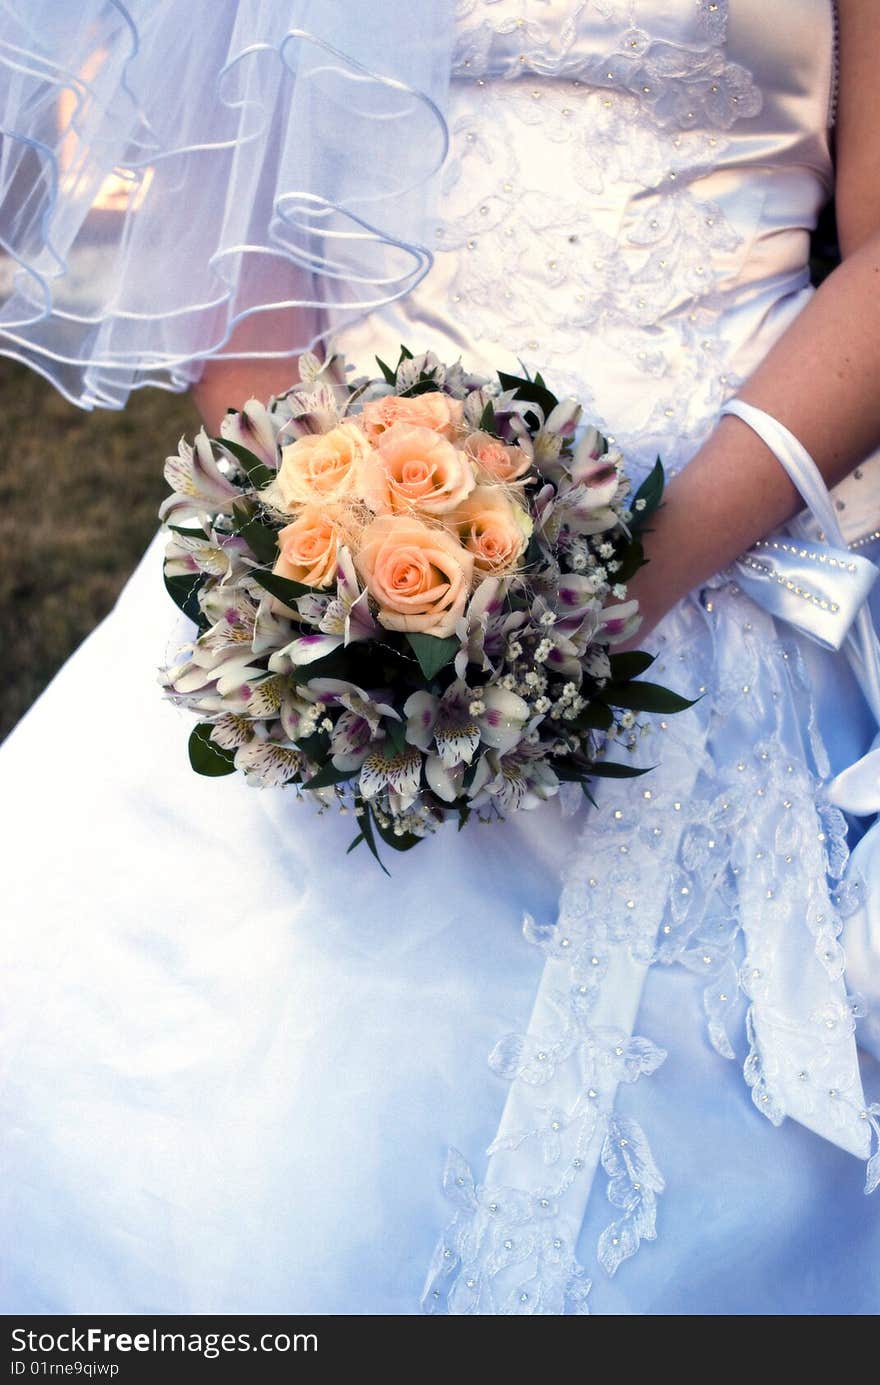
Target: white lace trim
column 536, row 267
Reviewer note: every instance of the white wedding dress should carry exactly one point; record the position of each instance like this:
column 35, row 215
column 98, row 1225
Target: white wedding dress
column 242, row 1065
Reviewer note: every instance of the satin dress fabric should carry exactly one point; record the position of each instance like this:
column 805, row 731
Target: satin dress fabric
column 236, row 1056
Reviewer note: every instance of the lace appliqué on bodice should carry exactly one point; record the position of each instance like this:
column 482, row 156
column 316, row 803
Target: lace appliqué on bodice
column 533, row 264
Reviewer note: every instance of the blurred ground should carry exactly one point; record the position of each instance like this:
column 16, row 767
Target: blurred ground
column 78, row 499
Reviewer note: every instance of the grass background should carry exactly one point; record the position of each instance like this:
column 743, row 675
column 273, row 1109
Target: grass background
column 78, row 499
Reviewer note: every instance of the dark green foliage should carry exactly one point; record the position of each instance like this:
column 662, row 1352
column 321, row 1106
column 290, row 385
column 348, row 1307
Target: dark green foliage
column 206, row 757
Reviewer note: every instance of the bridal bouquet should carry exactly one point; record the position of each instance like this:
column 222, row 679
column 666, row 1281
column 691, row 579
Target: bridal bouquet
column 406, row 593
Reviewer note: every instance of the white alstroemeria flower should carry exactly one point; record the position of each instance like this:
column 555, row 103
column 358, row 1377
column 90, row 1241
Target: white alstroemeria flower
column 564, row 418
column 501, row 723
column 340, row 620
column 445, row 722
column 589, row 445
column 350, row 741
column 224, row 680
column 268, row 763
column 270, row 629
column 337, row 692
column 475, row 403
column 199, row 482
column 232, row 730
column 547, row 448
column 485, row 627
column 204, row 672
column 597, row 663
column 276, row 700
column 305, row 649
column 520, row 781
column 447, row 783
column 232, row 627
column 548, row 516
column 619, row 622
column 253, row 428
column 398, row 772
column 185, row 555
column 586, row 494
column 546, row 456
column 448, row 723
column 312, row 411
column 312, row 367
column 576, row 612
column 564, row 658
column 348, row 613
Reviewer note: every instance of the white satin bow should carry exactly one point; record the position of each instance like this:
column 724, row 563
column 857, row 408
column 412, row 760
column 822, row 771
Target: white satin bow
column 817, row 588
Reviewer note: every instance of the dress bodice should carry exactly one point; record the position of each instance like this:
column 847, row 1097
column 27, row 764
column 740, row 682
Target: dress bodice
column 628, row 200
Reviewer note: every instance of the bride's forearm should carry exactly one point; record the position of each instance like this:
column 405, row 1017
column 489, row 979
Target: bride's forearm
column 822, row 380
column 227, row 382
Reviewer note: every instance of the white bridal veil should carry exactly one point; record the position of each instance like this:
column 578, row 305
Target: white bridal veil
column 173, row 169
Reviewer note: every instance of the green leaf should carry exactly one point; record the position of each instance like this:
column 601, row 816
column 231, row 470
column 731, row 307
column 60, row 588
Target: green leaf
column 315, row 746
column 426, row 384
column 357, row 841
column 433, row 653
column 281, row 587
column 184, row 592
column 206, row 757
column 611, row 769
column 631, row 557
column 396, row 733
column 336, row 664
column 647, row 697
column 530, row 391
column 405, row 353
column 470, row 773
column 405, row 842
column 262, row 541
column 256, row 471
column 568, row 771
column 329, row 775
column 197, row 533
column 487, row 417
column 594, row 717
column 651, row 491
column 390, row 377
column 534, row 552
column 366, row 822
column 630, row 665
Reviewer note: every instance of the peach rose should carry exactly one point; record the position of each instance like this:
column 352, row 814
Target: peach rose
column 323, row 468
column 422, row 470
column 494, row 460
column 419, row 576
column 493, row 528
column 431, row 410
column 308, row 549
